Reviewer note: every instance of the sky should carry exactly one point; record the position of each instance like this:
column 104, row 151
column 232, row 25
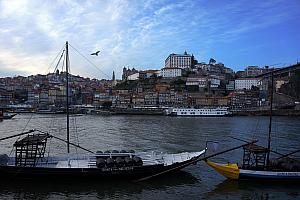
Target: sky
column 142, row 33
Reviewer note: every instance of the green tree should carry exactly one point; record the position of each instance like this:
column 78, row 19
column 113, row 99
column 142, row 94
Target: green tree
column 212, row 61
column 292, row 88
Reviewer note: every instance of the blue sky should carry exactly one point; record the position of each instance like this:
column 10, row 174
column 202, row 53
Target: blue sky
column 142, row 34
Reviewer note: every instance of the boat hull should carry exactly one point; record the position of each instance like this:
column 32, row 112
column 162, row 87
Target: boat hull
column 231, row 171
column 133, row 172
column 7, row 116
column 268, row 175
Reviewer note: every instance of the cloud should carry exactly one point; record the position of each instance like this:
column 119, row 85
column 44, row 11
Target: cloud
column 21, row 62
column 9, row 8
column 127, row 32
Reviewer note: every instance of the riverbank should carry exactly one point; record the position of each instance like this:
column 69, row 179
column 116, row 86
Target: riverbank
column 138, row 111
column 285, row 112
column 161, row 111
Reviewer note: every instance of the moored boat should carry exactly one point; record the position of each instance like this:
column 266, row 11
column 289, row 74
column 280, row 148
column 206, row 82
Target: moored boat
column 31, row 161
column 234, row 172
column 5, row 115
column 204, row 112
column 50, row 112
column 257, row 162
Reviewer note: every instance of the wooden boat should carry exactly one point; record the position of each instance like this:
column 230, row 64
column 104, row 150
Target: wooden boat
column 198, row 112
column 5, row 115
column 257, row 163
column 31, row 162
column 45, row 112
column 233, row 171
column 9, row 116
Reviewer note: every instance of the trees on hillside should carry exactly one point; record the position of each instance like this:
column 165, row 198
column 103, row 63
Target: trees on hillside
column 292, row 88
column 212, row 61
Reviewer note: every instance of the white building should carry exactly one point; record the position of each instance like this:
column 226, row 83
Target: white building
column 203, row 81
column 170, row 72
column 179, row 61
column 133, row 77
column 150, row 73
column 246, row 83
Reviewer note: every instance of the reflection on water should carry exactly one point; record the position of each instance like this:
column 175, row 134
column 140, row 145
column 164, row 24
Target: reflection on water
column 155, row 133
column 91, row 189
column 251, row 189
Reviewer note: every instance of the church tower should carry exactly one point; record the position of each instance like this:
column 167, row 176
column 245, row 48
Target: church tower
column 113, row 76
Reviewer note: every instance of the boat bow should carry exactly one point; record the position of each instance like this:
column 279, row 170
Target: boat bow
column 230, row 171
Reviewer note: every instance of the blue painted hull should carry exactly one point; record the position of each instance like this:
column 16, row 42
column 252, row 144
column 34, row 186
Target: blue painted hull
column 268, row 175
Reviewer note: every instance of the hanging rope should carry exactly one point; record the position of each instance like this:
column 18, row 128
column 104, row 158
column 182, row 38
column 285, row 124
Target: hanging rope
column 63, row 63
column 49, row 149
column 76, row 130
column 76, row 136
column 21, row 132
column 89, row 61
column 62, row 54
column 54, row 59
column 254, row 136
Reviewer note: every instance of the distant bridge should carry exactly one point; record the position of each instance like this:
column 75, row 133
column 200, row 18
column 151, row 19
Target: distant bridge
column 282, row 72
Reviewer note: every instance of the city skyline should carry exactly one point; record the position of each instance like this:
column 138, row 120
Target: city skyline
column 143, row 33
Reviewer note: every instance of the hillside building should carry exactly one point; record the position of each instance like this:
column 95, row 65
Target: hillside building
column 170, row 72
column 182, row 61
column 246, row 83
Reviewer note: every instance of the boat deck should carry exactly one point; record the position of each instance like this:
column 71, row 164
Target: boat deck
column 89, row 161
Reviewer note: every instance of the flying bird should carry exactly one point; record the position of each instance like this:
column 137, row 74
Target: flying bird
column 95, row 54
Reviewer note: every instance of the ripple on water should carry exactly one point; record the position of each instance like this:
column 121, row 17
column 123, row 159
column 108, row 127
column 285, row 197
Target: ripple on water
column 155, row 133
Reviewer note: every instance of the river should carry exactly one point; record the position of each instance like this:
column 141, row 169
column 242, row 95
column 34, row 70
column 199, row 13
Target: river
column 162, row 134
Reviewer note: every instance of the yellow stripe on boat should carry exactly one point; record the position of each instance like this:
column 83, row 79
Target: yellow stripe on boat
column 230, row 171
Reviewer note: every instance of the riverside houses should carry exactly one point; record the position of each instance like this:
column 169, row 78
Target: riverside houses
column 246, row 83
column 244, row 100
column 203, row 81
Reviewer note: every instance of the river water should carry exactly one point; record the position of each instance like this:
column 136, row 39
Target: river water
column 161, row 134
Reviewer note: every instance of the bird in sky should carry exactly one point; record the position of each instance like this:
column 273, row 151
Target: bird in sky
column 95, row 54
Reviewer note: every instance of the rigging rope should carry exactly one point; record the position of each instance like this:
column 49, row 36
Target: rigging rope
column 254, row 136
column 49, row 150
column 62, row 54
column 275, row 142
column 89, row 61
column 76, row 136
column 54, row 59
column 62, row 49
column 21, row 132
column 63, row 63
column 76, row 131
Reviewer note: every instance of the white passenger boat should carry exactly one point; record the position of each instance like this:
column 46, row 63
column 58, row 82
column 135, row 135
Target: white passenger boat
column 205, row 112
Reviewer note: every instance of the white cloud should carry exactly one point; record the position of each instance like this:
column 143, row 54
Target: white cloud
column 13, row 7
column 22, row 62
column 127, row 32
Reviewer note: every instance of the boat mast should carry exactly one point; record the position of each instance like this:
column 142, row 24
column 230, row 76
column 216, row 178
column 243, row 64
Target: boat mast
column 67, row 93
column 270, row 121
